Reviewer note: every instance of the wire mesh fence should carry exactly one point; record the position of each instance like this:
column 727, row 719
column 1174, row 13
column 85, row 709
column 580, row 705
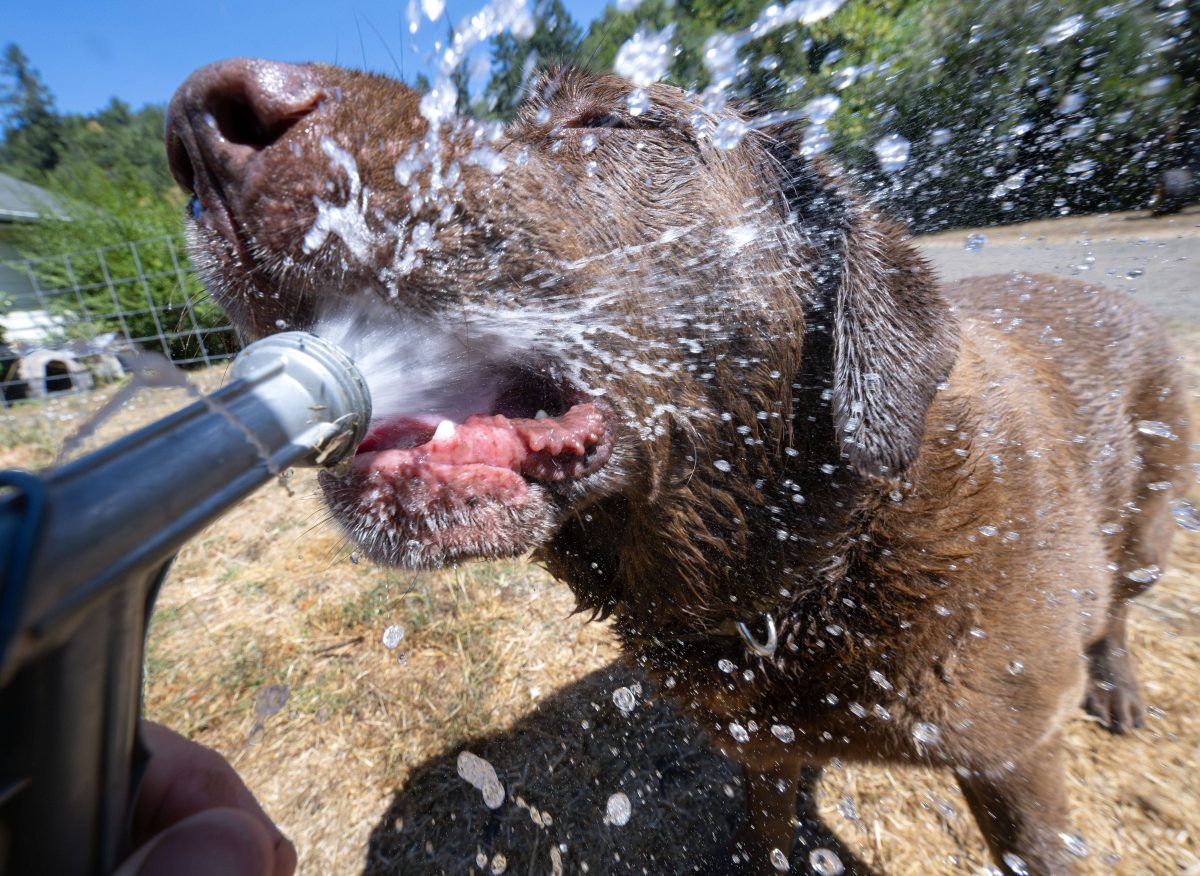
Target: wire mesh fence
column 80, row 313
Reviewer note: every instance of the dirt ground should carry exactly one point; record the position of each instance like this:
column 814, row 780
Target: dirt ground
column 269, row 645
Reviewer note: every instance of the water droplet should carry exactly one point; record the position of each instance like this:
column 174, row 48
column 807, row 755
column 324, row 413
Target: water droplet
column 1064, row 30
column 783, row 733
column 637, row 101
column 481, row 775
column 857, row 710
column 779, row 860
column 926, row 734
column 1155, row 86
column 1016, row 667
column 646, row 56
column 725, row 665
column 975, row 242
column 392, row 636
column 821, row 109
column 1072, row 102
column 842, row 79
column 892, row 151
column 825, row 863
column 1145, row 575
column 1156, row 428
column 355, row 558
column 738, row 732
column 1134, row 273
column 1016, row 864
column 270, row 700
column 722, row 465
column 988, row 530
column 879, row 678
column 587, row 143
column 1075, row 844
column 618, row 810
column 1186, row 515
column 833, row 629
column 729, row 133
column 499, row 864
column 623, row 698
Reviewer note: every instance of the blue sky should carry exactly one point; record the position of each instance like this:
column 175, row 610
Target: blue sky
column 88, row 52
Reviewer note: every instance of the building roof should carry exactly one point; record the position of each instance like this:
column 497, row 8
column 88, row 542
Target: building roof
column 24, row 202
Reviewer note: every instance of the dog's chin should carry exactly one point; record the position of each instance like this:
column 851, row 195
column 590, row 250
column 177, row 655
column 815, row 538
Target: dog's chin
column 410, row 524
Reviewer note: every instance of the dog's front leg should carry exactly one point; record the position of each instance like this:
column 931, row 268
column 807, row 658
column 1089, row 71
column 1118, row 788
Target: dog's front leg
column 1021, row 807
column 764, row 840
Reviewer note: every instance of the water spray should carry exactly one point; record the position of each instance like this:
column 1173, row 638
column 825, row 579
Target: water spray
column 85, row 548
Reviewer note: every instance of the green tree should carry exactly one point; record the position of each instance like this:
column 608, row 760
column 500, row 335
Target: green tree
column 555, row 40
column 1013, row 110
column 31, row 127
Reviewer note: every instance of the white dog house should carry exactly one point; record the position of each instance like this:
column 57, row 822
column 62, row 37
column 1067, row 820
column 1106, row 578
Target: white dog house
column 46, row 372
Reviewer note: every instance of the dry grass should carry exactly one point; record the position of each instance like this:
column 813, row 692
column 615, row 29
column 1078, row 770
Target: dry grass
column 363, row 751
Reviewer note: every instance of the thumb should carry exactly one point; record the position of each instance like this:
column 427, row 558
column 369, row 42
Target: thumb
column 216, row 842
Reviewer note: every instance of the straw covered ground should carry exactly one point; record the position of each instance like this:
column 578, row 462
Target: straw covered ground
column 268, row 644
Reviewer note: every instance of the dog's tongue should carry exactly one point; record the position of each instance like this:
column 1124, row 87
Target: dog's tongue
column 548, row 449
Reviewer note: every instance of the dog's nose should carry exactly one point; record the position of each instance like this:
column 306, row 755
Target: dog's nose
column 227, row 113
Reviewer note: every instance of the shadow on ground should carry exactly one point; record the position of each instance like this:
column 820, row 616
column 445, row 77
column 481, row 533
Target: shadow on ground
column 559, row 766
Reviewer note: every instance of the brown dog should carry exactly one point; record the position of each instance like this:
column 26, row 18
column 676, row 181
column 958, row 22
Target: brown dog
column 836, row 510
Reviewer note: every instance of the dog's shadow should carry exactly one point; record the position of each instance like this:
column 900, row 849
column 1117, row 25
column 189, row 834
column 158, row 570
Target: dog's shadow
column 563, row 768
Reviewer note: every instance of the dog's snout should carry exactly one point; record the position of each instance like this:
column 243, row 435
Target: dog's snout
column 225, row 114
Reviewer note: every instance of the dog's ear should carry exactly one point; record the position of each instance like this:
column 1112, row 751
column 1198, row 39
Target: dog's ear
column 880, row 337
column 894, row 343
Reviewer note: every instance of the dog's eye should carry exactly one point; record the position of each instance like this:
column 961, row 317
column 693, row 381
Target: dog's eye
column 601, row 119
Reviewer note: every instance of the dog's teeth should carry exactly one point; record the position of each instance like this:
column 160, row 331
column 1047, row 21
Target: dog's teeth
column 444, row 431
column 540, row 415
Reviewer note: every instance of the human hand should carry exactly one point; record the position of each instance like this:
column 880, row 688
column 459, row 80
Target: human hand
column 195, row 817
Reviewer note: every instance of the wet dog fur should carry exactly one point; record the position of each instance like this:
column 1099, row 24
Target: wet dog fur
column 910, row 515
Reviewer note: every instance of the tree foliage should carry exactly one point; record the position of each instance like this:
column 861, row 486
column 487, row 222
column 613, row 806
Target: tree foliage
column 31, row 127
column 1012, row 110
column 108, row 170
column 555, row 40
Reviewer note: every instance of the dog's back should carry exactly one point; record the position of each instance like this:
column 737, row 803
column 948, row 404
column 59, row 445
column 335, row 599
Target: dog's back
column 1097, row 393
column 1114, row 379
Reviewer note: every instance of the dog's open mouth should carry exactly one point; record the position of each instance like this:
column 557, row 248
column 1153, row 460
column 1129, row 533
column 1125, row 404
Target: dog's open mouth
column 430, row 485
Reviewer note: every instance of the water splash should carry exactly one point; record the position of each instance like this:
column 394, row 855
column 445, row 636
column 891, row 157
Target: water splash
column 646, row 56
column 618, row 810
column 1186, row 515
column 480, row 774
column 826, row 862
column 392, row 637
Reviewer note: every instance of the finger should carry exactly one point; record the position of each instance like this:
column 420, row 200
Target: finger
column 183, row 779
column 229, row 842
